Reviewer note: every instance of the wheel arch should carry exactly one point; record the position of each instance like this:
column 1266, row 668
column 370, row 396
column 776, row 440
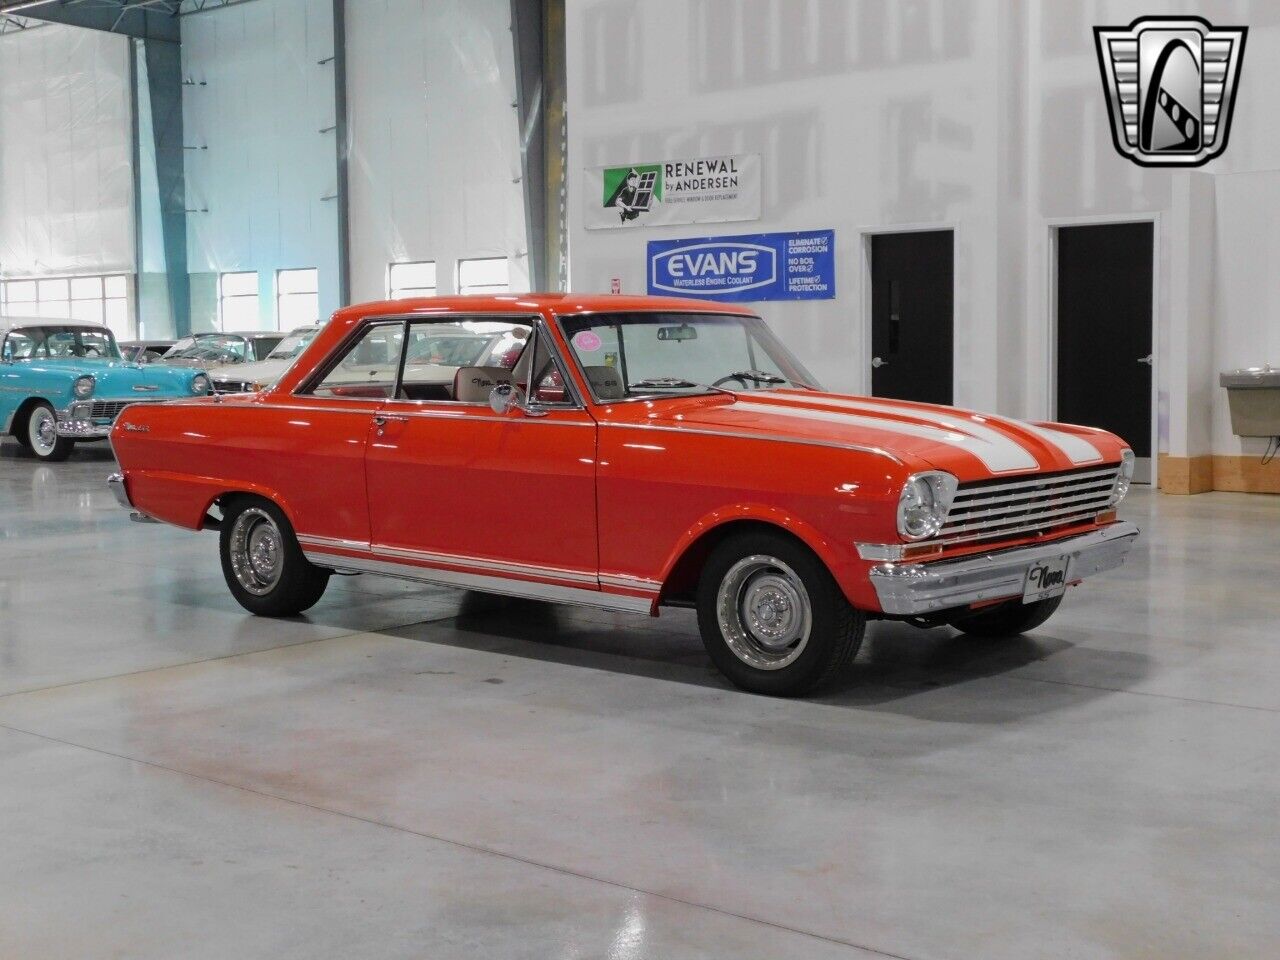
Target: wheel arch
column 19, row 416
column 210, row 521
column 680, row 576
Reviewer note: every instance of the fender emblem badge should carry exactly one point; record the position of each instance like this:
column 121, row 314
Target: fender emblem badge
column 136, row 428
column 146, row 387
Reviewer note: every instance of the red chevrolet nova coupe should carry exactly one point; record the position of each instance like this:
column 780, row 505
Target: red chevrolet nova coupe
column 630, row 453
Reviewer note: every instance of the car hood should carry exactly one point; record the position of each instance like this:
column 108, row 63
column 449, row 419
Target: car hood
column 265, row 372
column 971, row 445
column 119, row 379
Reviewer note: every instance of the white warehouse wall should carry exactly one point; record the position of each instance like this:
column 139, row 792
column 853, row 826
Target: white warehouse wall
column 263, row 179
column 984, row 116
column 434, row 140
column 66, row 173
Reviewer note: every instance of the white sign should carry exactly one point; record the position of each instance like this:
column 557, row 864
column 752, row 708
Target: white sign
column 689, row 190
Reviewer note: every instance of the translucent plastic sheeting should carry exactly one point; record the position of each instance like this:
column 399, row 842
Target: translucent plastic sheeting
column 66, row 178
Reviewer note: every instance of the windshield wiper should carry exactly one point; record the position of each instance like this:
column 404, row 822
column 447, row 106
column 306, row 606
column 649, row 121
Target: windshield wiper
column 759, row 376
column 675, row 383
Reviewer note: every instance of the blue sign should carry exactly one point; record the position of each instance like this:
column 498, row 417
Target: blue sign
column 748, row 268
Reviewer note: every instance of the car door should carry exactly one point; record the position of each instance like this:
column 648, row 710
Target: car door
column 456, row 486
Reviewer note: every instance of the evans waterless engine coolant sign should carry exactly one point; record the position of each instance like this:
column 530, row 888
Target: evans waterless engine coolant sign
column 753, row 267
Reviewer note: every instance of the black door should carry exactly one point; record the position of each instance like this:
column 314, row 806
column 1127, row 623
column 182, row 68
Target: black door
column 911, row 316
column 1104, row 330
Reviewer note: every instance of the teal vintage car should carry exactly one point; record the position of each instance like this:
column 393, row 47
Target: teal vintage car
column 64, row 381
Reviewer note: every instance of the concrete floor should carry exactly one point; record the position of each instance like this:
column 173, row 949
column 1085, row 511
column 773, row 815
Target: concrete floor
column 412, row 772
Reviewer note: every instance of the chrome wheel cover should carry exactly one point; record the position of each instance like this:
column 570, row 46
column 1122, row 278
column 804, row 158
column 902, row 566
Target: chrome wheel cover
column 256, row 551
column 764, row 612
column 42, row 431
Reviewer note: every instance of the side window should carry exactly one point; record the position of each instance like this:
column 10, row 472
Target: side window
column 368, row 368
column 460, row 360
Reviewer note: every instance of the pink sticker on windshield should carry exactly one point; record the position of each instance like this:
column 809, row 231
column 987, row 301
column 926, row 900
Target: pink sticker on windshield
column 588, row 341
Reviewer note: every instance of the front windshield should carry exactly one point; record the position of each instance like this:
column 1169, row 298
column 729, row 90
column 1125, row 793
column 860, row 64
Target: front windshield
column 208, row 347
column 647, row 354
column 54, row 342
column 292, row 345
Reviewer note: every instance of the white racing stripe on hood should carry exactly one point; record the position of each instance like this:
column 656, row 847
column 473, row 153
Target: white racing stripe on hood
column 1078, row 449
column 1074, row 448
column 997, row 452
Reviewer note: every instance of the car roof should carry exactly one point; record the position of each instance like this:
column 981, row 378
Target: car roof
column 11, row 323
column 561, row 303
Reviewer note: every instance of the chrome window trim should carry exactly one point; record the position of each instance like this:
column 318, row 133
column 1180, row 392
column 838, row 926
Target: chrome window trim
column 556, row 593
column 737, row 435
column 309, row 383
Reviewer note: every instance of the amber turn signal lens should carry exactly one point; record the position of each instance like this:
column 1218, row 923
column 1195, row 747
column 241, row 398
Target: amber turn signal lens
column 925, row 550
column 1108, row 517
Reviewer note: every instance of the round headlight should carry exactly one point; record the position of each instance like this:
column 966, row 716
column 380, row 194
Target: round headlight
column 83, row 387
column 199, row 384
column 923, row 504
column 1124, row 478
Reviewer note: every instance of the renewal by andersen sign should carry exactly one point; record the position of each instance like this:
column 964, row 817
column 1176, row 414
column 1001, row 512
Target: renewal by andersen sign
column 688, row 190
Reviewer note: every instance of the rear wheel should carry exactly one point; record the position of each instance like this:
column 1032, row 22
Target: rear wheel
column 772, row 617
column 40, row 434
column 1007, row 619
column 262, row 563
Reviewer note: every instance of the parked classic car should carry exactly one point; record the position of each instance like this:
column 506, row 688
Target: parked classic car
column 144, row 351
column 63, row 381
column 664, row 453
column 206, row 350
column 257, row 374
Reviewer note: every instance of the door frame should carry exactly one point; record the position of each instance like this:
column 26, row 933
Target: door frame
column 865, row 235
column 1049, row 353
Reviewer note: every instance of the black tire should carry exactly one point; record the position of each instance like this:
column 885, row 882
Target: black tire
column 783, row 576
column 1008, row 619
column 53, row 449
column 281, row 582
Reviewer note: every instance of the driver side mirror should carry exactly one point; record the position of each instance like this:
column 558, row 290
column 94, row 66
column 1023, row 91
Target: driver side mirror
column 504, row 397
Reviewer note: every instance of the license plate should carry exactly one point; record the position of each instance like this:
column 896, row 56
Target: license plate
column 1046, row 579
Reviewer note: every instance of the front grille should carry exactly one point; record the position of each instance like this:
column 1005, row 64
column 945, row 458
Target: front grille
column 232, row 386
column 108, row 409
column 1000, row 509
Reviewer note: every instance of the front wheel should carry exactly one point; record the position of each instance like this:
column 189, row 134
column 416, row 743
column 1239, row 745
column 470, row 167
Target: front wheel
column 1007, row 619
column 262, row 562
column 772, row 618
column 41, row 435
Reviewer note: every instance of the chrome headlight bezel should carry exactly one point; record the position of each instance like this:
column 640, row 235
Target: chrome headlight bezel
column 1124, row 479
column 200, row 384
column 924, row 503
column 83, row 387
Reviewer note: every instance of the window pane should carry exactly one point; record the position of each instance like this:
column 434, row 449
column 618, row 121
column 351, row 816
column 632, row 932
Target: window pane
column 90, row 310
column 52, row 290
column 117, row 316
column 240, row 284
column 412, row 277
column 239, row 313
column 116, row 286
column 368, row 370
column 21, row 291
column 54, row 309
column 86, row 288
column 297, row 309
column 438, row 350
column 489, row 275
column 298, row 281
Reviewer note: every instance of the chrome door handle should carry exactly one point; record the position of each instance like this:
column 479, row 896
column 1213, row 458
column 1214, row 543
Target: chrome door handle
column 382, row 419
column 1149, row 359
column 878, row 363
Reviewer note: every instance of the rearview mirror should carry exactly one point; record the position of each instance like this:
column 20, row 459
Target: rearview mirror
column 682, row 332
column 504, row 397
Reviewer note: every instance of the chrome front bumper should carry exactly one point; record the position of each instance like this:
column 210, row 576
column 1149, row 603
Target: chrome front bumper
column 914, row 589
column 115, row 483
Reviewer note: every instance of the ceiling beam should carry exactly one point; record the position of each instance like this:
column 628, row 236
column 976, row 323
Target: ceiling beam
column 145, row 19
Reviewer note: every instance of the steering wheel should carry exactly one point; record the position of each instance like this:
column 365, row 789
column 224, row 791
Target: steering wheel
column 732, row 376
column 92, row 352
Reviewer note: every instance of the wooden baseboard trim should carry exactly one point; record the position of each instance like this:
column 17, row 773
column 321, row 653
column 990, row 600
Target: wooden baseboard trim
column 1185, row 475
column 1188, row 475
